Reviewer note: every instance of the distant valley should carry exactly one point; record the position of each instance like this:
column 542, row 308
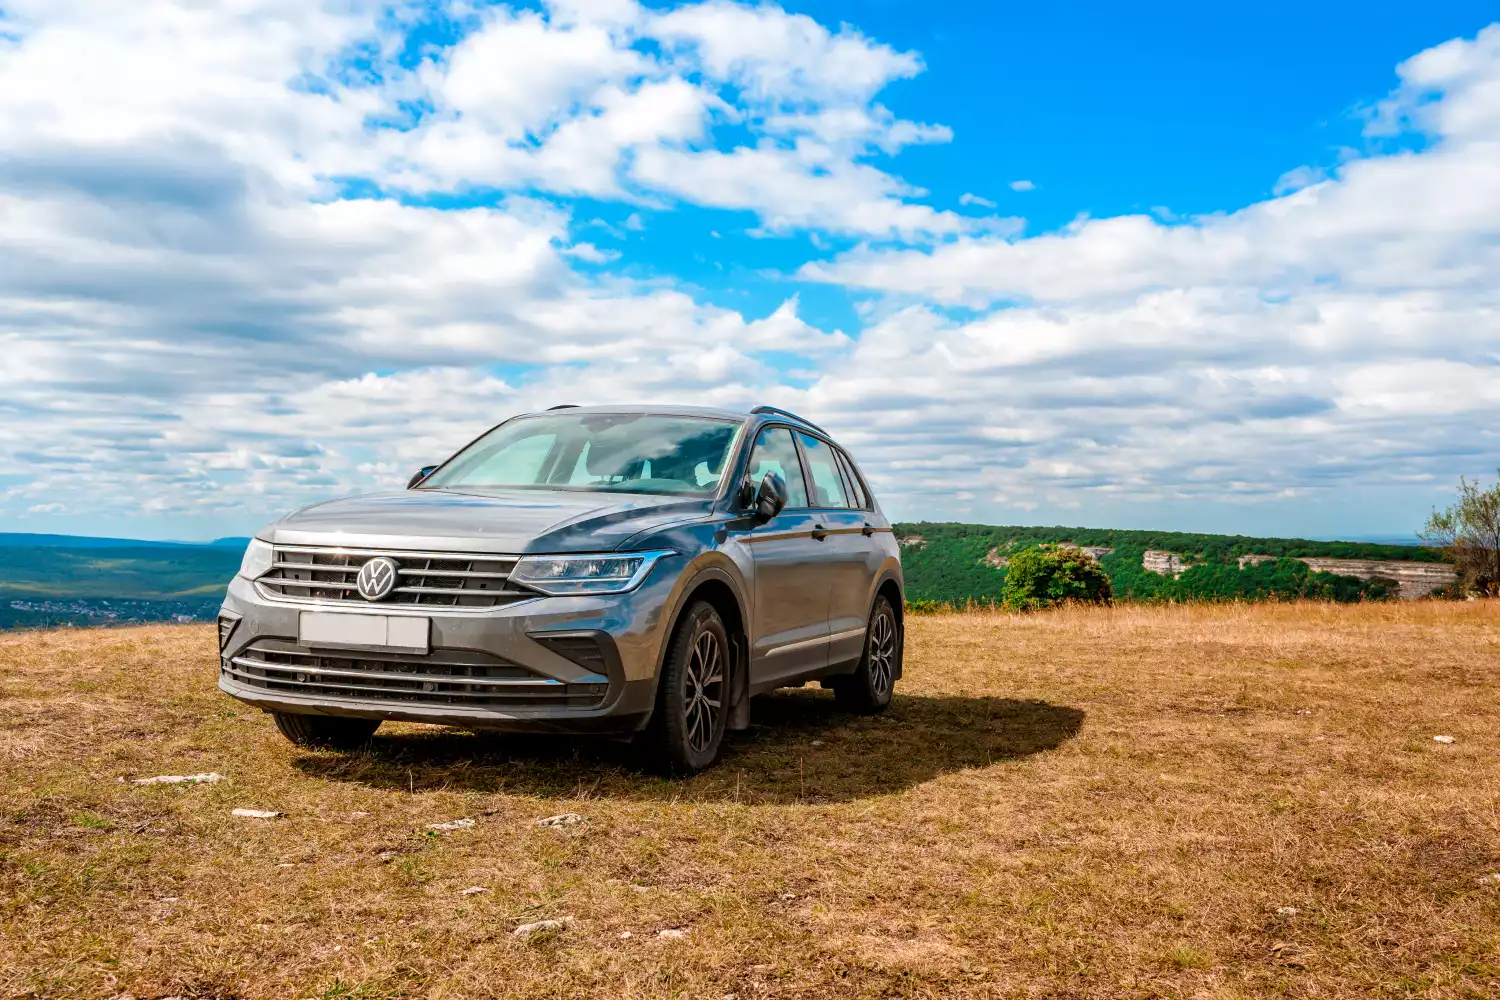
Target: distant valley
column 68, row 580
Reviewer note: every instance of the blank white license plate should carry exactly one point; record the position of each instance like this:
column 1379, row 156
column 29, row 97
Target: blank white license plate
column 398, row 633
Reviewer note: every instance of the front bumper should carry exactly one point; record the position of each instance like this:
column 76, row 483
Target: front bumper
column 548, row 665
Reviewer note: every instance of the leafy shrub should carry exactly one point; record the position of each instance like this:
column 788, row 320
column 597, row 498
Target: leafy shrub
column 1047, row 575
column 1468, row 533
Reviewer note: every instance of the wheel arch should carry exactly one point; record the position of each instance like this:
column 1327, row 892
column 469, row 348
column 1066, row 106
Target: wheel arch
column 890, row 589
column 720, row 591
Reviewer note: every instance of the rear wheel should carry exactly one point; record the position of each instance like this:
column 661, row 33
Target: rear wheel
column 331, row 732
column 686, row 733
column 870, row 687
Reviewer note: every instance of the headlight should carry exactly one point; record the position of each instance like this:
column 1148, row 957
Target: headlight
column 593, row 574
column 258, row 559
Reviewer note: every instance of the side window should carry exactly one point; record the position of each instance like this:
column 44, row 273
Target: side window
column 858, row 498
column 776, row 452
column 827, row 484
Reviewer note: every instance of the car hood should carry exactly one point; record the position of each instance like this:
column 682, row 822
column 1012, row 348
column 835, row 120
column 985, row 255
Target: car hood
column 477, row 520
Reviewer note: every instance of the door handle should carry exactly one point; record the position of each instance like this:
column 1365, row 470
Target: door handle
column 819, row 532
column 867, row 530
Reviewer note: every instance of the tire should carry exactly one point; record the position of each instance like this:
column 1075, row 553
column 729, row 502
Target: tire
column 686, row 732
column 326, row 732
column 868, row 690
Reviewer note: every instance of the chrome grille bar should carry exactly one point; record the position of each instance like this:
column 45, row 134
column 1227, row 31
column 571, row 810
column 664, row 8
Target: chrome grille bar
column 447, row 677
column 312, row 670
column 328, row 574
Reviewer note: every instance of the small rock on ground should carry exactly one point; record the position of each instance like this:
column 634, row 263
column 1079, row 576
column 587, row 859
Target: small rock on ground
column 457, row 824
column 562, row 819
column 672, row 933
column 180, row 779
column 255, row 813
column 474, row 890
column 528, row 931
column 1442, row 739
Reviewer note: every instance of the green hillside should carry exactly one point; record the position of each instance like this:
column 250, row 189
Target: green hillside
column 954, row 563
column 52, row 585
column 145, row 573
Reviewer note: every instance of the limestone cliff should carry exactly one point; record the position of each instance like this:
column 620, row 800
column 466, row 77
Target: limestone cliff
column 1413, row 579
column 1416, row 579
column 1164, row 563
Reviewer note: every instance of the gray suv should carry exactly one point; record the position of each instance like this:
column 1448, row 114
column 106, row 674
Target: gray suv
column 628, row 571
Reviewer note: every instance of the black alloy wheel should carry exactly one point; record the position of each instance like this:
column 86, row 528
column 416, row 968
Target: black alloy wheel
column 686, row 733
column 870, row 687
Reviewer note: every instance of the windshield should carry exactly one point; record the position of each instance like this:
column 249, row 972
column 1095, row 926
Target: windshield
column 613, row 452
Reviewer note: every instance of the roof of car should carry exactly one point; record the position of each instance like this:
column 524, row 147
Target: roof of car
column 686, row 411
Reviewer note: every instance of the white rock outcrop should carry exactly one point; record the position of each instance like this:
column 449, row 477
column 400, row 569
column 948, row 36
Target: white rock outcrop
column 1415, row 579
column 1163, row 562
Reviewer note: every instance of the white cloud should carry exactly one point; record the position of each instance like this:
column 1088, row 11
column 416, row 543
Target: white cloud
column 1298, row 178
column 614, row 101
column 1022, row 186
column 781, row 57
column 808, row 186
column 974, row 199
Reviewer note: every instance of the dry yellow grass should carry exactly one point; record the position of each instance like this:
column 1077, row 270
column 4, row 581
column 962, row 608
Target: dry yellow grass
column 1177, row 802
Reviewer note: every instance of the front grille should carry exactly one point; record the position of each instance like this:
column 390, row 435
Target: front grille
column 443, row 678
column 426, row 579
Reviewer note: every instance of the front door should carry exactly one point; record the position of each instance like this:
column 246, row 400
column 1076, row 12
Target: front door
column 789, row 633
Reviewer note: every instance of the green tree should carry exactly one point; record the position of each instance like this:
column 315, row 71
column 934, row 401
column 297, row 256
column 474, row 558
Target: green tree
column 1047, row 575
column 1469, row 534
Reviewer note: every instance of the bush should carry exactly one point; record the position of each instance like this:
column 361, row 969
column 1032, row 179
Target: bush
column 1468, row 533
column 1046, row 575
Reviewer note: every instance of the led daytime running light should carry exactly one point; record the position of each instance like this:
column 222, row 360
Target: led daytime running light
column 585, row 574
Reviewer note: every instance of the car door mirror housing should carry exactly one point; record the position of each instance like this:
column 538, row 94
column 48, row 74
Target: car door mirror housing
column 420, row 475
column 770, row 497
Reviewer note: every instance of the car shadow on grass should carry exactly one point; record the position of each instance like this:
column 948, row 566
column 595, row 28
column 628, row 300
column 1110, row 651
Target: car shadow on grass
column 799, row 748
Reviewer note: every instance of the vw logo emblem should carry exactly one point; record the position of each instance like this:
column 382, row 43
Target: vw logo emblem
column 377, row 578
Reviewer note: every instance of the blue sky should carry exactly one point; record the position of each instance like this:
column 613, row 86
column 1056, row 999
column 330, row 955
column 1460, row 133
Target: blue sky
column 1179, row 266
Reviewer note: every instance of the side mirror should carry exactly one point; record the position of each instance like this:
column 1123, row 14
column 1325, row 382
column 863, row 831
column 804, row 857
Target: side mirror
column 770, row 497
column 420, row 475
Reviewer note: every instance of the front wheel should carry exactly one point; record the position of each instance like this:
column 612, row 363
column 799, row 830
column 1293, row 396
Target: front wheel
column 869, row 688
column 686, row 732
column 331, row 732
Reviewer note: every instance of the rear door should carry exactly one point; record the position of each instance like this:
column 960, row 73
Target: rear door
column 851, row 556
column 789, row 633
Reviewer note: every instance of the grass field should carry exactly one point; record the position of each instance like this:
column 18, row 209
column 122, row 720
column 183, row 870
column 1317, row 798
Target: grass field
column 1195, row 802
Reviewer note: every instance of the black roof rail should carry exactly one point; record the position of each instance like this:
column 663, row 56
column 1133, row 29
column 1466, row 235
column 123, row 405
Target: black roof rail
column 788, row 413
column 564, row 406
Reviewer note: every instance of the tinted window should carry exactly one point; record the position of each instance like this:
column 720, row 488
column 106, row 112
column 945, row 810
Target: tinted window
column 776, row 452
column 615, row 452
column 827, row 484
column 516, row 461
column 857, row 489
